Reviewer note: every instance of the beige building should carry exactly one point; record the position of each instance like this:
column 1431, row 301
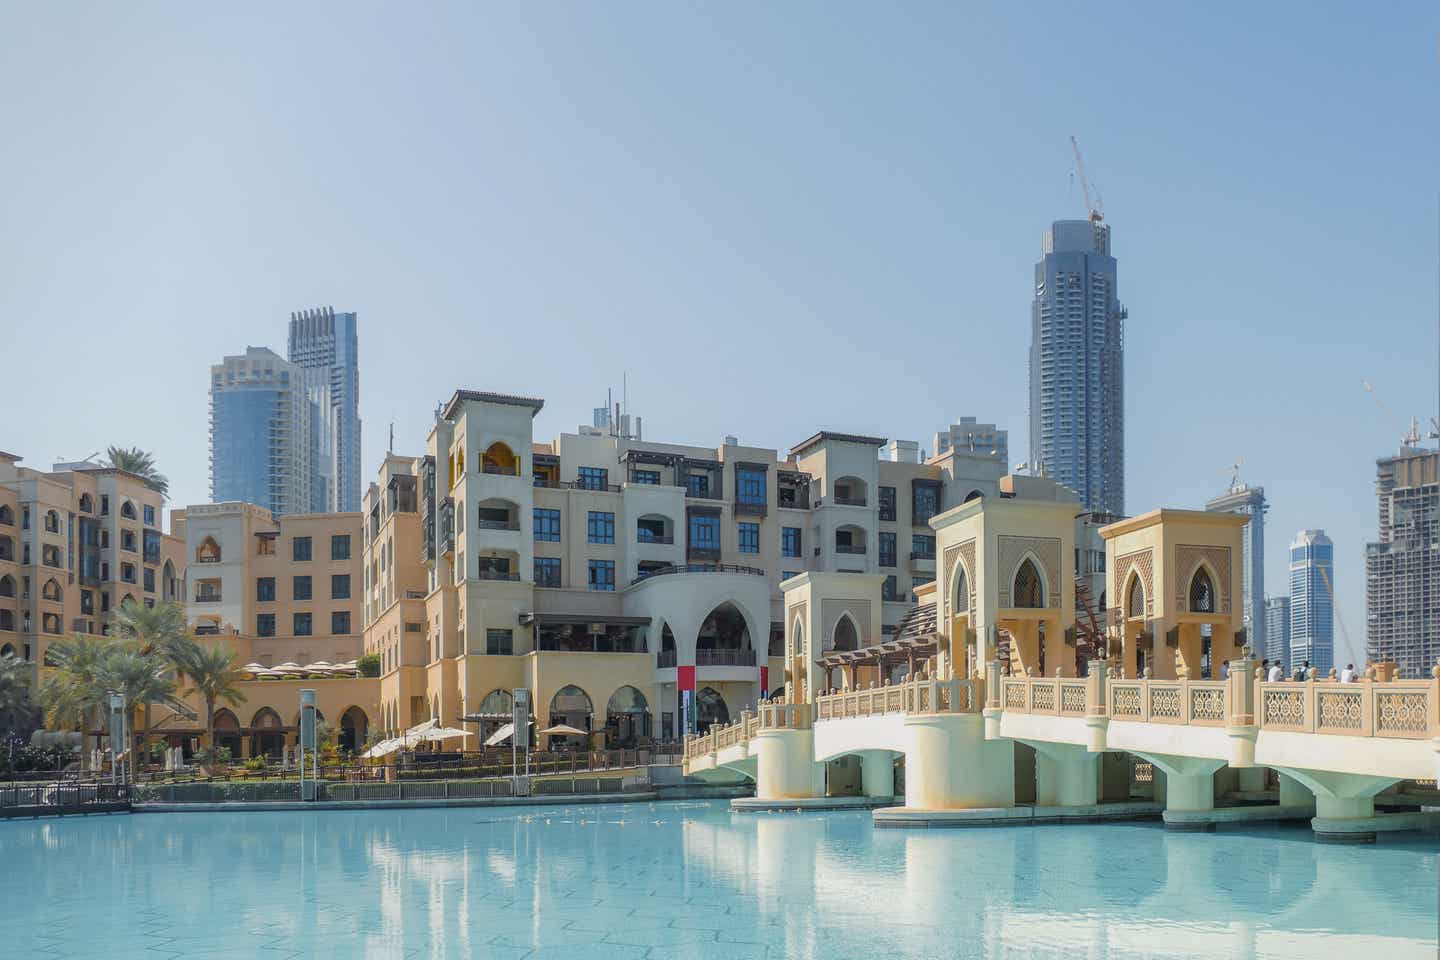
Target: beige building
column 626, row 584
column 75, row 542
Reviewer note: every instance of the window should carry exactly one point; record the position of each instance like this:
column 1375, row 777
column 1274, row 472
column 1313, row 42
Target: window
column 750, row 484
column 127, row 540
column 790, row 541
column 923, row 546
column 149, row 578
column 52, row 522
column 300, row 588
column 704, row 532
column 340, row 546
column 24, row 518
column 651, row 477
column 264, row 624
column 749, row 537
column 340, row 622
column 340, row 586
column 127, row 572
column 302, row 625
column 600, row 527
column 890, row 589
column 547, row 571
column 697, row 485
column 149, row 515
column 547, row 525
column 593, row 478
column 499, row 643
column 887, row 549
column 300, row 548
column 924, row 503
column 104, row 504
column 650, row 530
column 602, row 574
column 264, row 589
column 887, row 503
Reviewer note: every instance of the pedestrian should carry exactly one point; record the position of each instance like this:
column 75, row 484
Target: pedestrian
column 1225, row 670
column 1310, row 672
column 1276, row 674
column 1299, row 672
column 1348, row 674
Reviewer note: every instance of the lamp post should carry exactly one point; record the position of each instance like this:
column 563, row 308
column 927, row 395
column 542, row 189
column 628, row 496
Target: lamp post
column 117, row 736
column 308, row 750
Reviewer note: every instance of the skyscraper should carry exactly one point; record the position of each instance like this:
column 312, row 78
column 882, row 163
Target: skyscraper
column 1312, row 607
column 260, row 432
column 1277, row 631
column 1242, row 498
column 969, row 436
column 1077, row 368
column 1402, row 569
column 324, row 344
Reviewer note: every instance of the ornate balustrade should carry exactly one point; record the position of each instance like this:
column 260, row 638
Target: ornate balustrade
column 1405, row 709
column 1192, row 702
column 911, row 696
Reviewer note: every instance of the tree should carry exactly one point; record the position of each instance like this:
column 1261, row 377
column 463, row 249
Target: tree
column 140, row 463
column 140, row 679
column 155, row 631
column 214, row 676
column 73, row 696
column 15, row 703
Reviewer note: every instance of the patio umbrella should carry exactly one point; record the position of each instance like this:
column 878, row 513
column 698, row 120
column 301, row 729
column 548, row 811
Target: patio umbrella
column 443, row 733
column 383, row 748
column 564, row 730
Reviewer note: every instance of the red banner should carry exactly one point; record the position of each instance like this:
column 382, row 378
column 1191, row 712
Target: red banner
column 764, row 681
column 685, row 678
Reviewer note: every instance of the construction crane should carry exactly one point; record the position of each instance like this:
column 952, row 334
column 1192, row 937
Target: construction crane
column 1345, row 634
column 1234, row 471
column 1096, row 209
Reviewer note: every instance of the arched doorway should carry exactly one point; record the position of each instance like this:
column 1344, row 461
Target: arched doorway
column 571, row 707
column 1135, row 620
column 627, row 718
column 227, row 732
column 1029, row 592
column 710, row 709
column 267, row 734
column 844, row 636
column 724, row 639
column 354, row 726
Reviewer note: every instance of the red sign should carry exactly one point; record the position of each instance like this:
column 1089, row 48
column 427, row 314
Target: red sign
column 685, row 678
column 764, row 681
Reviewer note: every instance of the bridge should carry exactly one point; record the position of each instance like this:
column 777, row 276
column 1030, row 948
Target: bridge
column 971, row 698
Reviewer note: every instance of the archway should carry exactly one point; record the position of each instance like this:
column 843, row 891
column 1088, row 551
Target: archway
column 208, row 551
column 52, row 521
column 844, row 636
column 499, row 458
column 571, row 707
column 167, row 584
column 972, row 495
column 1134, row 627
column 627, row 718
column 87, row 504
column 1029, row 591
column 850, row 491
column 354, row 726
column 1202, row 592
column 8, row 650
column 724, row 638
column 7, row 586
column 52, row 591
column 227, row 732
column 710, row 709
column 961, row 655
column 496, row 710
column 267, row 734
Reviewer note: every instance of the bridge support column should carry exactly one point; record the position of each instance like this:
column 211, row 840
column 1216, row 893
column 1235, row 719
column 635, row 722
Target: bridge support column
column 1344, row 804
column 1293, row 793
column 951, row 766
column 1065, row 775
column 1189, row 790
column 877, row 773
column 785, row 767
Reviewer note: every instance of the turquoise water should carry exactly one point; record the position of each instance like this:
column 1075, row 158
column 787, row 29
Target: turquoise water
column 691, row 880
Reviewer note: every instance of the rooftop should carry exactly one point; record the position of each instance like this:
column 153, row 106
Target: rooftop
column 826, row 435
column 483, row 396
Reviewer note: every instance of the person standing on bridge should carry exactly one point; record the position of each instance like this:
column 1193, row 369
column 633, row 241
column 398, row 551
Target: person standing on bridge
column 1276, row 674
column 1225, row 670
column 1348, row 674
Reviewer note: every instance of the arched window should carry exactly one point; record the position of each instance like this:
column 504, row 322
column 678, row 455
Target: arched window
column 572, row 707
column 7, row 514
column 973, row 495
column 710, row 709
column 1029, row 592
column 1135, row 600
column 627, row 717
column 1202, row 593
column 499, row 458
column 50, row 623
column 127, row 510
column 845, row 636
column 723, row 629
column 52, row 591
column 52, row 521
column 7, row 548
column 960, row 597
column 208, row 551
column 498, row 703
column 7, row 586
column 87, row 503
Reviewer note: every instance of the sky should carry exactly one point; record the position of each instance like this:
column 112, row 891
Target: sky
column 770, row 219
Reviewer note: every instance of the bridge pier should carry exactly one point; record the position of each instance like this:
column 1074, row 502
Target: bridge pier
column 1065, row 775
column 877, row 773
column 951, row 766
column 1189, row 790
column 1344, row 804
column 785, row 767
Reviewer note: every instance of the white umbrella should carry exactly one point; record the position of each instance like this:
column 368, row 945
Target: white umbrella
column 443, row 733
column 501, row 735
column 564, row 730
column 382, row 748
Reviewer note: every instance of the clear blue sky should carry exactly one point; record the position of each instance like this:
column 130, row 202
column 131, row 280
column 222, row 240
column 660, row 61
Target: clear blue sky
column 776, row 219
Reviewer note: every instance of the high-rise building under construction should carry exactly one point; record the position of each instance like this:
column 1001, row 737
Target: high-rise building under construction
column 1402, row 568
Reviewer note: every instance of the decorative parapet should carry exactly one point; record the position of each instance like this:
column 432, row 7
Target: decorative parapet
column 917, row 696
column 1402, row 709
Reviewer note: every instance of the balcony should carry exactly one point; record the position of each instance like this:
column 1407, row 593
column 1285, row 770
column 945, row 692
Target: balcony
column 848, row 501
column 702, row 553
column 548, row 484
column 656, row 538
column 497, row 524
column 749, row 509
column 484, row 574
column 208, row 597
column 700, row 568
column 923, row 555
column 853, row 548
column 665, row 658
column 724, row 658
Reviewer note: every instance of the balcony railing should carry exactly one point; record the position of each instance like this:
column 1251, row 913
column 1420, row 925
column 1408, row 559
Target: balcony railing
column 700, row 568
column 743, row 508
column 207, row 559
column 724, row 658
column 548, row 484
column 207, row 598
column 665, row 658
column 483, row 574
column 857, row 548
column 497, row 524
column 654, row 538
column 498, row 471
column 922, row 554
column 849, row 501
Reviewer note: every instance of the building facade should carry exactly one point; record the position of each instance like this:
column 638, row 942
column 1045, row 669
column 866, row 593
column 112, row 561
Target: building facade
column 981, row 439
column 260, row 433
column 1402, row 567
column 1077, row 369
column 1242, row 498
column 325, row 346
column 1277, row 631
column 633, row 587
column 1312, row 603
column 76, row 542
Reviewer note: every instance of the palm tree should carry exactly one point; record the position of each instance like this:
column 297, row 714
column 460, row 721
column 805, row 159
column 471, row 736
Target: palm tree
column 157, row 631
column 140, row 679
column 73, row 696
column 215, row 676
column 140, row 463
column 15, row 703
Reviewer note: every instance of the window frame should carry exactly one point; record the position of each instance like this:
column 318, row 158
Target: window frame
column 601, row 584
column 544, row 531
column 600, row 527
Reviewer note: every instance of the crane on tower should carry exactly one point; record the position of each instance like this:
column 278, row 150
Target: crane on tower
column 1096, row 209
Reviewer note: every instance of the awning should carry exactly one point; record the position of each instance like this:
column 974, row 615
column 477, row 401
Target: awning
column 587, row 618
column 564, row 730
column 501, row 735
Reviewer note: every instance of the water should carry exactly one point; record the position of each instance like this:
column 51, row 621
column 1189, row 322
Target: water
column 693, row 881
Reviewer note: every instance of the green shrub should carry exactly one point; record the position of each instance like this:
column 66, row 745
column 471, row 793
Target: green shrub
column 255, row 764
column 368, row 665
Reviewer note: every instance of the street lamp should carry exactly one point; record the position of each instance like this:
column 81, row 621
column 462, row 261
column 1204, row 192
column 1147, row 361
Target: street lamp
column 117, row 734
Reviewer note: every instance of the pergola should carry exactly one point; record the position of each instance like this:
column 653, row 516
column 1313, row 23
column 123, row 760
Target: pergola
column 915, row 640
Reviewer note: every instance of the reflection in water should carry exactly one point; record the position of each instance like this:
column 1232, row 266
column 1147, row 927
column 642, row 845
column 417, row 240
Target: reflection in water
column 695, row 880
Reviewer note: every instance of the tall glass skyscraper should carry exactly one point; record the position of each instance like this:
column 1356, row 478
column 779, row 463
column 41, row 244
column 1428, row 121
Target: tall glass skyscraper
column 325, row 346
column 1077, row 366
column 1277, row 631
column 260, row 432
column 1312, row 608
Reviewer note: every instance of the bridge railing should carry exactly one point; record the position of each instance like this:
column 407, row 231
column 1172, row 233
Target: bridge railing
column 1404, row 709
column 909, row 696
